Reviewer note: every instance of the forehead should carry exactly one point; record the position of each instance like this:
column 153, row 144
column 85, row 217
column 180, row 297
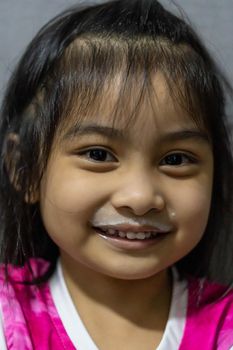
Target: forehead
column 131, row 110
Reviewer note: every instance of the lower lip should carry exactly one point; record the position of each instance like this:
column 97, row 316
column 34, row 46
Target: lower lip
column 126, row 244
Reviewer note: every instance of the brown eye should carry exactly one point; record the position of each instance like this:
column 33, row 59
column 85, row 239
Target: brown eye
column 98, row 155
column 177, row 159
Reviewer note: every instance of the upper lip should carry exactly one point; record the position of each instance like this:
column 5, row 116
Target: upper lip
column 135, row 228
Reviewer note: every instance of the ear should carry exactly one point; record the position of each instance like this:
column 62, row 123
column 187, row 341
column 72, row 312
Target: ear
column 14, row 167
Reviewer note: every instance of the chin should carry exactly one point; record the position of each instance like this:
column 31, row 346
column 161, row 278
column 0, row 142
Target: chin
column 132, row 274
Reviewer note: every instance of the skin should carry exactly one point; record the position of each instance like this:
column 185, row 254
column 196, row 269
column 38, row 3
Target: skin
column 135, row 180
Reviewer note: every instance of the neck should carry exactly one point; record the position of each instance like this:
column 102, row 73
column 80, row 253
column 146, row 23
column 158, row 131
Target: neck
column 131, row 299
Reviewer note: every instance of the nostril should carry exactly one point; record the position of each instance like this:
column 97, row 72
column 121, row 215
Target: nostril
column 140, row 206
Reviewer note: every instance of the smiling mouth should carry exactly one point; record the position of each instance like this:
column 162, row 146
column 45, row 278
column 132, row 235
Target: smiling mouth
column 129, row 235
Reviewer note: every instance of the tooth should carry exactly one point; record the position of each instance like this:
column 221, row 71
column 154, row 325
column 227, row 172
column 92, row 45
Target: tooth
column 148, row 234
column 131, row 235
column 141, row 235
column 111, row 231
column 122, row 234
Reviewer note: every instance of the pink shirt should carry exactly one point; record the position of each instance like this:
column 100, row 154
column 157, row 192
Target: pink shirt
column 31, row 320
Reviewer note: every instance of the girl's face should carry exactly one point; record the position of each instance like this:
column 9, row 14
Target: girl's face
column 129, row 202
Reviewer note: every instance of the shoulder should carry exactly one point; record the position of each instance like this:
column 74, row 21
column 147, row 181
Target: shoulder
column 209, row 316
column 209, row 295
column 17, row 294
column 27, row 311
column 33, row 269
column 16, row 291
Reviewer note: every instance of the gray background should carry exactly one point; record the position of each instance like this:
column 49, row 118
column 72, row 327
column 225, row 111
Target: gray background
column 21, row 19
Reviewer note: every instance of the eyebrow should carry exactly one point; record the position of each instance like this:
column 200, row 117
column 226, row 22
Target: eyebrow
column 110, row 132
column 180, row 135
column 95, row 129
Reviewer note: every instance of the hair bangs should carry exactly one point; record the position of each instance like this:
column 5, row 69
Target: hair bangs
column 116, row 74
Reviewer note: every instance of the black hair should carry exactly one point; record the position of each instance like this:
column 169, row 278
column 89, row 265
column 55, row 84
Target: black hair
column 63, row 73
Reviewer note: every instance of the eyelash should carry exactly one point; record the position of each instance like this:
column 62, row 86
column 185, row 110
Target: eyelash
column 171, row 158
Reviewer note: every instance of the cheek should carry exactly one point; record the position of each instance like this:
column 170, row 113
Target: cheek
column 64, row 204
column 70, row 191
column 191, row 203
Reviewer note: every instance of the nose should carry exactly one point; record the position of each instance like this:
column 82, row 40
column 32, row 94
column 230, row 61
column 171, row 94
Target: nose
column 139, row 193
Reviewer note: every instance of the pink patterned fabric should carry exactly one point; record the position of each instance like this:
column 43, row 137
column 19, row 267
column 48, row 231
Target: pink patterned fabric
column 209, row 323
column 31, row 320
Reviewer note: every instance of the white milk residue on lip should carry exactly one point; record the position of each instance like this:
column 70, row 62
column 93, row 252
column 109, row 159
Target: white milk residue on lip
column 131, row 233
column 107, row 219
column 110, row 222
column 119, row 221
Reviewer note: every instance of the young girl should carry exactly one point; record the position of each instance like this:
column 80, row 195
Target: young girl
column 116, row 187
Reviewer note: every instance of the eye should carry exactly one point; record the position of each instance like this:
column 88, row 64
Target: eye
column 98, row 155
column 178, row 159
